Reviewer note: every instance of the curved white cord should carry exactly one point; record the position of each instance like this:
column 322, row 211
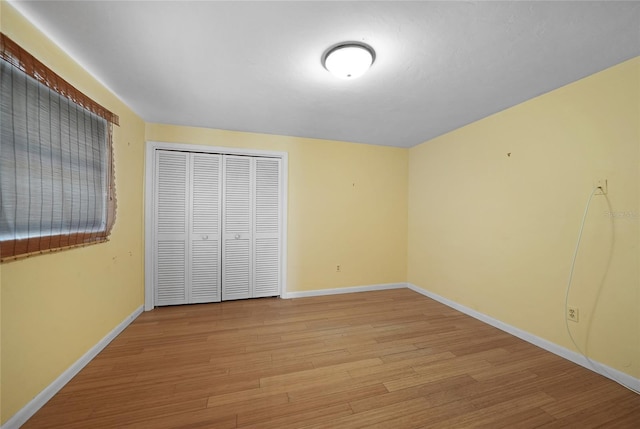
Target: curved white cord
column 566, row 296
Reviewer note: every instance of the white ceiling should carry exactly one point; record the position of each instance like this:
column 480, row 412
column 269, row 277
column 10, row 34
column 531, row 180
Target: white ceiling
column 255, row 66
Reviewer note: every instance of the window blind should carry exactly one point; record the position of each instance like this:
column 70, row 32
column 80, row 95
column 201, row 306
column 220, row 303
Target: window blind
column 56, row 187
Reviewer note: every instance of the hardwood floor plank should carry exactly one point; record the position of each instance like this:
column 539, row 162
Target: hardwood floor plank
column 509, row 410
column 448, row 391
column 375, row 416
column 334, row 386
column 256, row 416
column 310, row 375
column 296, row 420
column 200, row 419
column 430, row 417
column 117, row 418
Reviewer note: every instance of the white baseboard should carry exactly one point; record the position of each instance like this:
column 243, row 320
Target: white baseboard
column 352, row 289
column 43, row 397
column 602, row 369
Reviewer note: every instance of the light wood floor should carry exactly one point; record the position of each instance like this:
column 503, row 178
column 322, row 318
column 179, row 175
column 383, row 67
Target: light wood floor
column 388, row 359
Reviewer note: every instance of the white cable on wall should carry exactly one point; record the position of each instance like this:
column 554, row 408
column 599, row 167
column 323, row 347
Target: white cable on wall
column 568, row 290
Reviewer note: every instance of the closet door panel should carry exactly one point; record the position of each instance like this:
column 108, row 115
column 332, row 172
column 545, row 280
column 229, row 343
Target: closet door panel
column 171, row 220
column 237, row 266
column 267, row 263
column 171, row 273
column 206, row 187
column 237, row 195
column 267, row 227
column 205, row 272
column 236, row 270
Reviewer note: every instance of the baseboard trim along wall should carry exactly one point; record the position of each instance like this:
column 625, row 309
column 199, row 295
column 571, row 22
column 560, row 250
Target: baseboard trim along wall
column 352, row 289
column 43, row 397
column 597, row 367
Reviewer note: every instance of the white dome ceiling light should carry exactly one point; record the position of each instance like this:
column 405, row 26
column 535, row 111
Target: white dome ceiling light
column 348, row 60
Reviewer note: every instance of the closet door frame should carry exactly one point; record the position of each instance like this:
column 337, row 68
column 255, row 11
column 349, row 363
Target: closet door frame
column 149, row 191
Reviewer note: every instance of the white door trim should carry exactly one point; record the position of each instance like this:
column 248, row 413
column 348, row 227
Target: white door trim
column 149, row 182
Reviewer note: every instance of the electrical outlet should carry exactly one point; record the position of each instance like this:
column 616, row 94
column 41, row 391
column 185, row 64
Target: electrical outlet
column 338, row 268
column 601, row 184
column 573, row 313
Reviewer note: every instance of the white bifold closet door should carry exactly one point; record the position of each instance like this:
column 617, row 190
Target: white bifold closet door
column 217, row 227
column 237, row 265
column 188, row 225
column 251, row 227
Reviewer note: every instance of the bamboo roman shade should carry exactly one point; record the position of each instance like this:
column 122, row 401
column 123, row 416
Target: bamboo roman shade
column 56, row 170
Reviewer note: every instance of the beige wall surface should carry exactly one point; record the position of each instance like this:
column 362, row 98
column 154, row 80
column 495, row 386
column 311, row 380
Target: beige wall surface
column 55, row 307
column 495, row 209
column 347, row 205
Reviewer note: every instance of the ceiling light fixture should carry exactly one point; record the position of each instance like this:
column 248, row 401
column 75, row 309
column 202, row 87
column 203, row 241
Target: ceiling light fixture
column 348, row 60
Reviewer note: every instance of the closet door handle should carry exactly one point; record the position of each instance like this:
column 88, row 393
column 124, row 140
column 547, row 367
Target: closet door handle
column 205, row 237
column 237, row 236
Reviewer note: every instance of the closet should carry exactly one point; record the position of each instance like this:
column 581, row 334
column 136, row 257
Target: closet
column 216, row 227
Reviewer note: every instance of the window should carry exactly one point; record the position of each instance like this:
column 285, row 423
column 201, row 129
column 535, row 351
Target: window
column 56, row 171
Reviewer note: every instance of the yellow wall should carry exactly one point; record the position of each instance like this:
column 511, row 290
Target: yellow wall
column 56, row 307
column 495, row 208
column 347, row 205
